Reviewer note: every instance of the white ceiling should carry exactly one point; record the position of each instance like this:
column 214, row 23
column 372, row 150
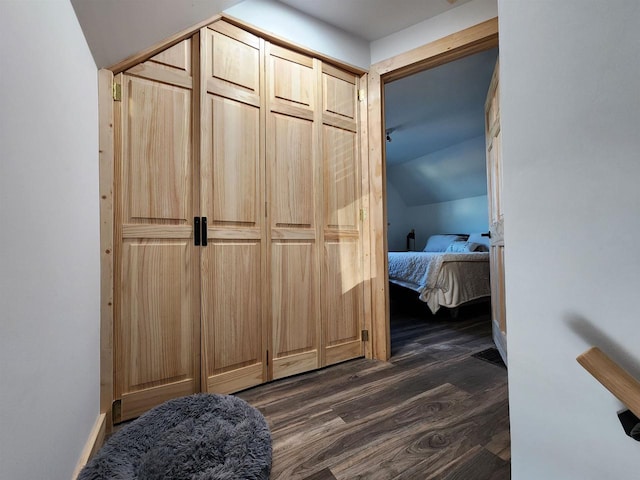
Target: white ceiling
column 373, row 19
column 437, row 108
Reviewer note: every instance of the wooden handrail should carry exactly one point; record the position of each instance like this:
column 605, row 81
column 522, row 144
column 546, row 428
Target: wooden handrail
column 613, row 377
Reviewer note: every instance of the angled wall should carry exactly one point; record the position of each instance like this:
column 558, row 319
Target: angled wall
column 116, row 29
column 466, row 215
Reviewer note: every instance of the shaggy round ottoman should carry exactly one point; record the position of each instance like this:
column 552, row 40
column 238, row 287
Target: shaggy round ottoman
column 203, row 437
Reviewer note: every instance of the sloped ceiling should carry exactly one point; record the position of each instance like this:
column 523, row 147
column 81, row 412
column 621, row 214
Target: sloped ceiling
column 117, row 29
column 436, row 123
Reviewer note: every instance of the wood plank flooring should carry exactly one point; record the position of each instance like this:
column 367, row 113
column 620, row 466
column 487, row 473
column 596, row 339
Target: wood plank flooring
column 432, row 412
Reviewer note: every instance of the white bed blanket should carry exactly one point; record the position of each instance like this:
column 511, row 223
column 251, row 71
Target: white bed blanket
column 442, row 279
column 422, row 268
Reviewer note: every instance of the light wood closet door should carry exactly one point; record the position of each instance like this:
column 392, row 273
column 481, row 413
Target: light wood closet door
column 294, row 207
column 342, row 294
column 232, row 193
column 496, row 215
column 157, row 332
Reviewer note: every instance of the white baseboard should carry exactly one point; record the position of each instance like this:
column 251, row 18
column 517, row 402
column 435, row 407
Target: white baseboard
column 94, row 442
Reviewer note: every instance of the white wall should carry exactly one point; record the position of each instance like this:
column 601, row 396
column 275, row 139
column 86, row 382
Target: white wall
column 397, row 221
column 467, row 215
column 454, row 20
column 570, row 123
column 301, row 29
column 49, row 241
column 458, row 171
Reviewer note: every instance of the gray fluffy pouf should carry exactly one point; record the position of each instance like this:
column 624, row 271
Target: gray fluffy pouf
column 199, row 437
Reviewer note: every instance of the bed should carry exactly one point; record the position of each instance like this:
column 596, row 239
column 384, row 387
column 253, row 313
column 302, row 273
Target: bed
column 448, row 277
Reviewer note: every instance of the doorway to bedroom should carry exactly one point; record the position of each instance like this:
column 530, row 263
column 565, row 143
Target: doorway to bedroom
column 457, row 351
column 436, row 185
column 438, row 221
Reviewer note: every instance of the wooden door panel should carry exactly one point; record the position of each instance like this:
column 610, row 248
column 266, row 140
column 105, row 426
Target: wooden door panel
column 342, row 293
column 177, row 57
column 156, row 338
column 493, row 135
column 171, row 66
column 155, row 277
column 339, row 92
column 498, row 287
column 157, row 170
column 293, row 212
column 494, row 175
column 232, row 199
column 231, row 164
column 295, row 307
column 341, row 179
column 292, row 78
column 233, row 57
column 292, row 173
column 342, row 309
column 232, row 315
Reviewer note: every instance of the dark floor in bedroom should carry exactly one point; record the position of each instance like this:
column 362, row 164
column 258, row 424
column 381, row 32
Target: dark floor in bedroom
column 432, row 412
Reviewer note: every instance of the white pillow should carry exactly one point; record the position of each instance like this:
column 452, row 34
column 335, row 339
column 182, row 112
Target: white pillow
column 461, row 246
column 484, row 242
column 440, row 243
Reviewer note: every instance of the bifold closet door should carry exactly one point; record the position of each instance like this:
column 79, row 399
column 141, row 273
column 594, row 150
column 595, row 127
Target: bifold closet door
column 342, row 302
column 232, row 199
column 260, row 141
column 157, row 341
column 294, row 208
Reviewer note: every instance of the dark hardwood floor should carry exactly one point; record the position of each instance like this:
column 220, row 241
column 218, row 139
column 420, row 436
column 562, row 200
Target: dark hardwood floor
column 432, row 412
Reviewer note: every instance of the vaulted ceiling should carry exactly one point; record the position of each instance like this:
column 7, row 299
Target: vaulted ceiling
column 435, row 120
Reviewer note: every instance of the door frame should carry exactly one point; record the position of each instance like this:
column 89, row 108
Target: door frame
column 475, row 39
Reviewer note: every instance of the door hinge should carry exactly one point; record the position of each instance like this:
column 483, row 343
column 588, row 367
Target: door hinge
column 363, row 214
column 117, row 92
column 265, row 209
column 267, row 358
column 361, row 94
column 364, row 335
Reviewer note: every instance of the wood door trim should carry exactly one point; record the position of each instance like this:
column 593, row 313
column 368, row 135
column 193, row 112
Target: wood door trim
column 466, row 42
column 478, row 38
column 363, row 120
column 106, row 168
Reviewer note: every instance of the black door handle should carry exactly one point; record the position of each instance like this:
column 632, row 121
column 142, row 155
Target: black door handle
column 196, row 231
column 204, row 231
